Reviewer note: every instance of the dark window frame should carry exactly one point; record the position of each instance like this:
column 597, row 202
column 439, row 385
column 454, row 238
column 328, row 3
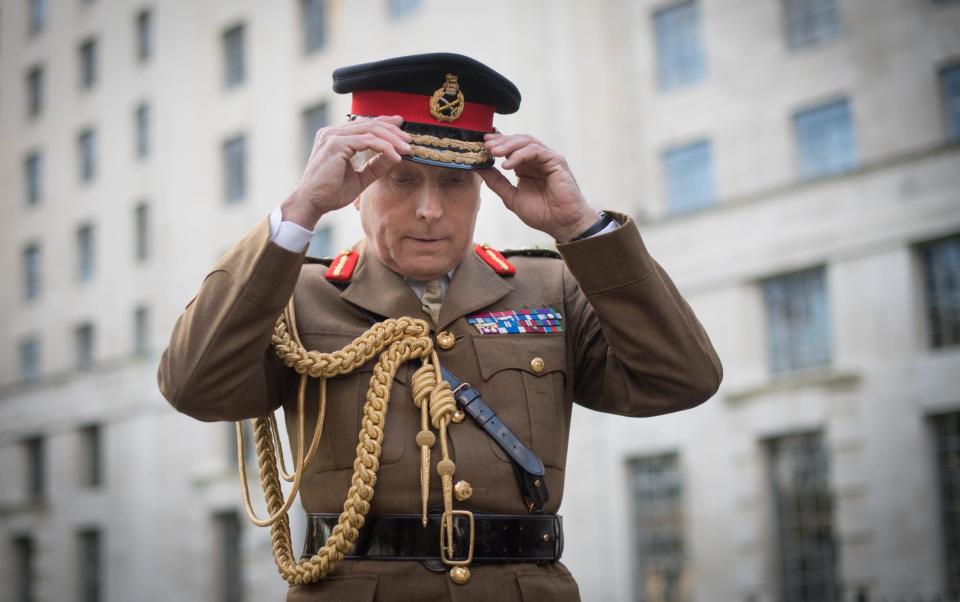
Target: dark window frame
column 233, row 41
column 88, row 54
column 804, row 510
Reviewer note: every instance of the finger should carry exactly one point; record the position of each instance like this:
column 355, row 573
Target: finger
column 351, row 145
column 396, row 136
column 500, row 185
column 375, row 168
column 504, row 145
column 532, row 153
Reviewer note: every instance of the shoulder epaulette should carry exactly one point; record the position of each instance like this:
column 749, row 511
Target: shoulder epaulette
column 495, row 260
column 532, row 253
column 342, row 266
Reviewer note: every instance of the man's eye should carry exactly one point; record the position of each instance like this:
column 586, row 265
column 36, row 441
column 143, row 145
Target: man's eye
column 453, row 181
column 404, row 180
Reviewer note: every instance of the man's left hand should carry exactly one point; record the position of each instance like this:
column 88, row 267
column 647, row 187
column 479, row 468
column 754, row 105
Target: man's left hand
column 546, row 196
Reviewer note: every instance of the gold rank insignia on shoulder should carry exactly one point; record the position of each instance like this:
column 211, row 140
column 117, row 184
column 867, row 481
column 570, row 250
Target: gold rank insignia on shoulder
column 447, row 102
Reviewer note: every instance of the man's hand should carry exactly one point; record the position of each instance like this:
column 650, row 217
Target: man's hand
column 546, row 196
column 330, row 181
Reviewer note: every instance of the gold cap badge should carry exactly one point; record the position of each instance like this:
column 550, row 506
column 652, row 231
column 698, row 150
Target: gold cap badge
column 447, row 102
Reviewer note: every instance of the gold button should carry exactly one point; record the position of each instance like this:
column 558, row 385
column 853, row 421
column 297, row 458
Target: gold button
column 537, row 364
column 458, row 417
column 446, row 340
column 459, row 575
column 462, row 490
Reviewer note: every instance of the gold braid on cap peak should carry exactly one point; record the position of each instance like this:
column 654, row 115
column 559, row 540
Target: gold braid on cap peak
column 437, row 149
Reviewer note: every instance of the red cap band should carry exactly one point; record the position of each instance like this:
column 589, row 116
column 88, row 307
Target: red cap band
column 416, row 108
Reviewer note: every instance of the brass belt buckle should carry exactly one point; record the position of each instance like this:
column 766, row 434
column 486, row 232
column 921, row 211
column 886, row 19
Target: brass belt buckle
column 459, row 574
column 446, row 553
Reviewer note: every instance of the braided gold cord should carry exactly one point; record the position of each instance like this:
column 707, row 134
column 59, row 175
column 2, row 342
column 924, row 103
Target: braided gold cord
column 427, row 140
column 397, row 341
column 449, row 156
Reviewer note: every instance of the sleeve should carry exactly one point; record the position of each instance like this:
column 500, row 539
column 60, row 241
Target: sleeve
column 219, row 364
column 638, row 348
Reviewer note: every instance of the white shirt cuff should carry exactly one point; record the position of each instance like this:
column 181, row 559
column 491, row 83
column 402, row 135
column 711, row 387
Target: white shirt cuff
column 609, row 228
column 292, row 237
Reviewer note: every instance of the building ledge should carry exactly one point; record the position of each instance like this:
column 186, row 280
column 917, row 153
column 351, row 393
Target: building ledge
column 936, row 149
column 38, row 505
column 827, row 380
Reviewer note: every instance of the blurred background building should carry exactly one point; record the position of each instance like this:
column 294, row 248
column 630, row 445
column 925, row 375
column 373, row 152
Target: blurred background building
column 794, row 164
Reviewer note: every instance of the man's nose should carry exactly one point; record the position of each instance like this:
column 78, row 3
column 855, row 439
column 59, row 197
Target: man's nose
column 430, row 203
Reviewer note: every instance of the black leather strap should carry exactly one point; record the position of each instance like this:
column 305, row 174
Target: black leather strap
column 528, row 467
column 497, row 537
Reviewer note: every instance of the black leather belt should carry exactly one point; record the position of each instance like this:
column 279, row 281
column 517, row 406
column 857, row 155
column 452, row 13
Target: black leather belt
column 482, row 537
column 527, row 466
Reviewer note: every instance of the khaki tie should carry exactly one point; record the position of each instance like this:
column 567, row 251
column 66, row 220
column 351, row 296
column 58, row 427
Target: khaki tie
column 432, row 298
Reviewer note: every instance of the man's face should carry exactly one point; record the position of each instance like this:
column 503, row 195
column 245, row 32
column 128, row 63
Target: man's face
column 419, row 219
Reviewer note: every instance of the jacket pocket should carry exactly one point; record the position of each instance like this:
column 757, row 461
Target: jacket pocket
column 346, row 396
column 349, row 588
column 523, row 381
column 553, row 582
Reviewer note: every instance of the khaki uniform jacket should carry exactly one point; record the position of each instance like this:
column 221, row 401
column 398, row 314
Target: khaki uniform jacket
column 631, row 346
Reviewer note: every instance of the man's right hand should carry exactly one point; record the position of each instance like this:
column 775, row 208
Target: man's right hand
column 330, row 180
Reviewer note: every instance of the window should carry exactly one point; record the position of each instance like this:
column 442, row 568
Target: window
column 689, row 176
column 234, row 169
column 234, row 68
column 31, row 271
column 87, row 147
column 810, row 22
column 142, row 118
column 941, row 278
column 825, row 141
column 946, row 429
column 90, row 565
column 312, row 119
column 950, row 86
column 33, row 175
column 798, row 321
column 24, row 570
column 321, row 243
column 141, row 330
column 141, row 225
column 88, row 63
column 227, row 525
column 314, row 15
column 30, row 360
column 91, row 455
column 657, row 491
column 144, row 28
column 36, row 480
column 83, row 339
column 35, row 91
column 38, row 15
column 85, row 253
column 402, row 8
column 798, row 469
column 249, row 448
column 679, row 53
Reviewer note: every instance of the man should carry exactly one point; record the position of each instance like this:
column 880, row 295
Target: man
column 520, row 336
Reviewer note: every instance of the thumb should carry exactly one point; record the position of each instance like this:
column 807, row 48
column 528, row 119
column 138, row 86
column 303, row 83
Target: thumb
column 499, row 184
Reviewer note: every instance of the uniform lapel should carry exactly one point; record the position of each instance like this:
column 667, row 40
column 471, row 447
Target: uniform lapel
column 381, row 291
column 474, row 286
